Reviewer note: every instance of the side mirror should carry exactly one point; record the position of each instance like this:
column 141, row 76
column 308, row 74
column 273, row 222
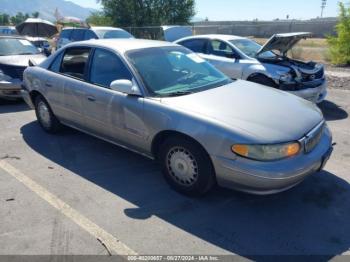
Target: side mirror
column 125, row 86
column 32, row 63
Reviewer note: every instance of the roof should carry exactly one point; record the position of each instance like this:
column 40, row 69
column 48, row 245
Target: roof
column 104, row 28
column 93, row 28
column 123, row 45
column 215, row 36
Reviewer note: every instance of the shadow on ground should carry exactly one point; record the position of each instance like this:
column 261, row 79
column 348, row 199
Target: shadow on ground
column 332, row 111
column 12, row 106
column 312, row 218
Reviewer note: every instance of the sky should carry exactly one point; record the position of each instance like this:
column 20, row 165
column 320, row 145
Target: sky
column 252, row 9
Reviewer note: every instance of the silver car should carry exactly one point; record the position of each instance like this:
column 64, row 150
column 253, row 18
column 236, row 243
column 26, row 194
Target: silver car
column 243, row 58
column 15, row 53
column 165, row 102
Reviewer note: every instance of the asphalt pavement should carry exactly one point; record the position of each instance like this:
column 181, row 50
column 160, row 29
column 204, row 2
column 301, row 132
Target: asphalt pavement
column 74, row 194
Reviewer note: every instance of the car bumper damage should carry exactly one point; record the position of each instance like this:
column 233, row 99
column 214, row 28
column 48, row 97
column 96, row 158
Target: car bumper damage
column 264, row 178
column 314, row 91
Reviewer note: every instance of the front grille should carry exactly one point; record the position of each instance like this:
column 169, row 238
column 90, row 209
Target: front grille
column 311, row 77
column 313, row 138
column 13, row 71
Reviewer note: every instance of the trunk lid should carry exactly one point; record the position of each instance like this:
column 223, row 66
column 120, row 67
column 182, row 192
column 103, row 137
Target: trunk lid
column 173, row 33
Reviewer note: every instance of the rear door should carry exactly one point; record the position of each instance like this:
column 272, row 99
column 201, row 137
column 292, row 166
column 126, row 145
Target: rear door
column 74, row 70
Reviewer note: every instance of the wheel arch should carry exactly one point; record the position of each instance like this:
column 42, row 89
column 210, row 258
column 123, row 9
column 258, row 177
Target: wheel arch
column 34, row 94
column 262, row 74
column 161, row 137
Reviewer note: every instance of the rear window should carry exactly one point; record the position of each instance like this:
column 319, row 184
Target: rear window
column 66, row 33
column 196, row 45
column 107, row 34
column 78, row 35
column 89, row 35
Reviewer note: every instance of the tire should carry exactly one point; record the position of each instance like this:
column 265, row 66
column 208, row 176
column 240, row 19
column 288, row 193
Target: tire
column 263, row 80
column 186, row 166
column 45, row 116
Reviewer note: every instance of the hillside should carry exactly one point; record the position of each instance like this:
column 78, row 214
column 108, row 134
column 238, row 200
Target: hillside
column 46, row 8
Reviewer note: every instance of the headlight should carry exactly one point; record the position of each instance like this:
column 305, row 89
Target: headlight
column 285, row 76
column 4, row 77
column 267, row 152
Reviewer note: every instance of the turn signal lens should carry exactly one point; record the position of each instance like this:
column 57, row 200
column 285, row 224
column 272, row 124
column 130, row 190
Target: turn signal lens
column 241, row 150
column 292, row 149
column 267, row 152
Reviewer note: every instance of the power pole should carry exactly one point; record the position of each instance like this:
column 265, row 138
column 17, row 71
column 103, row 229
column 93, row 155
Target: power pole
column 323, row 6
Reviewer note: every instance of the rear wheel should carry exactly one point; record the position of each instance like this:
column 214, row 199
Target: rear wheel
column 263, row 80
column 186, row 166
column 45, row 116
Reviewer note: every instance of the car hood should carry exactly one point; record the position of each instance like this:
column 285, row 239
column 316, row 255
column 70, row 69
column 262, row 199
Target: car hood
column 283, row 42
column 21, row 60
column 263, row 114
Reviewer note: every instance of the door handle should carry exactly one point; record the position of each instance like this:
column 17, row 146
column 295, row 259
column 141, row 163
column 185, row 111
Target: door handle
column 91, row 98
column 48, row 84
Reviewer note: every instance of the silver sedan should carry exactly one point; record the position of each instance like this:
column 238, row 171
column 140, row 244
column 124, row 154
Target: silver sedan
column 243, row 58
column 165, row 102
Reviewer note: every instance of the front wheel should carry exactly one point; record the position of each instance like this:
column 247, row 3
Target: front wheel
column 45, row 116
column 187, row 166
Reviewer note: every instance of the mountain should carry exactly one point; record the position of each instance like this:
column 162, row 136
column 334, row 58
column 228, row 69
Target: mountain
column 46, row 8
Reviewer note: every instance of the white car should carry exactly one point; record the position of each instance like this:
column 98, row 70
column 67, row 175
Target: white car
column 243, row 58
column 69, row 35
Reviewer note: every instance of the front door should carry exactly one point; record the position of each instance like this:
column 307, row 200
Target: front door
column 224, row 58
column 109, row 113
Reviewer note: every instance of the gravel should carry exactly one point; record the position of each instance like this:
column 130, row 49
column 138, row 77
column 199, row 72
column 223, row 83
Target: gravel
column 338, row 77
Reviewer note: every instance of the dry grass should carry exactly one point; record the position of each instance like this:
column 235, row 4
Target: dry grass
column 315, row 49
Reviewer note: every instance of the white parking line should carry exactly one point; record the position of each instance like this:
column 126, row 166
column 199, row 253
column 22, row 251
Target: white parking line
column 100, row 234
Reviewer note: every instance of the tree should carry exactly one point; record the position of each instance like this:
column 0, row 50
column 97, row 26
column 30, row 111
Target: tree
column 340, row 45
column 131, row 13
column 98, row 19
column 4, row 19
column 35, row 14
column 19, row 18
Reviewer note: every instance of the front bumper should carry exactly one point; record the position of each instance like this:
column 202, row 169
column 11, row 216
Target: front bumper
column 11, row 89
column 315, row 91
column 272, row 177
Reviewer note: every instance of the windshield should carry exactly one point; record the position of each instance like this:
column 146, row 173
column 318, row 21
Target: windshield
column 169, row 71
column 251, row 48
column 11, row 46
column 107, row 34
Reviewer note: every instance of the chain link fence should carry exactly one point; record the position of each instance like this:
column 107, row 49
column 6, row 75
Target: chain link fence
column 318, row 27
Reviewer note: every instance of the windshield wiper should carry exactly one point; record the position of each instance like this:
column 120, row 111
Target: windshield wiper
column 179, row 93
column 28, row 53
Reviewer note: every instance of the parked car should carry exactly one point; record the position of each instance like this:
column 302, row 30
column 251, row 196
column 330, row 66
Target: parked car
column 243, row 58
column 69, row 35
column 15, row 53
column 167, row 103
column 42, row 44
column 8, row 30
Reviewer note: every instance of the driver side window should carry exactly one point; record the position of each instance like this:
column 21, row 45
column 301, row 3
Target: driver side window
column 220, row 48
column 106, row 67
